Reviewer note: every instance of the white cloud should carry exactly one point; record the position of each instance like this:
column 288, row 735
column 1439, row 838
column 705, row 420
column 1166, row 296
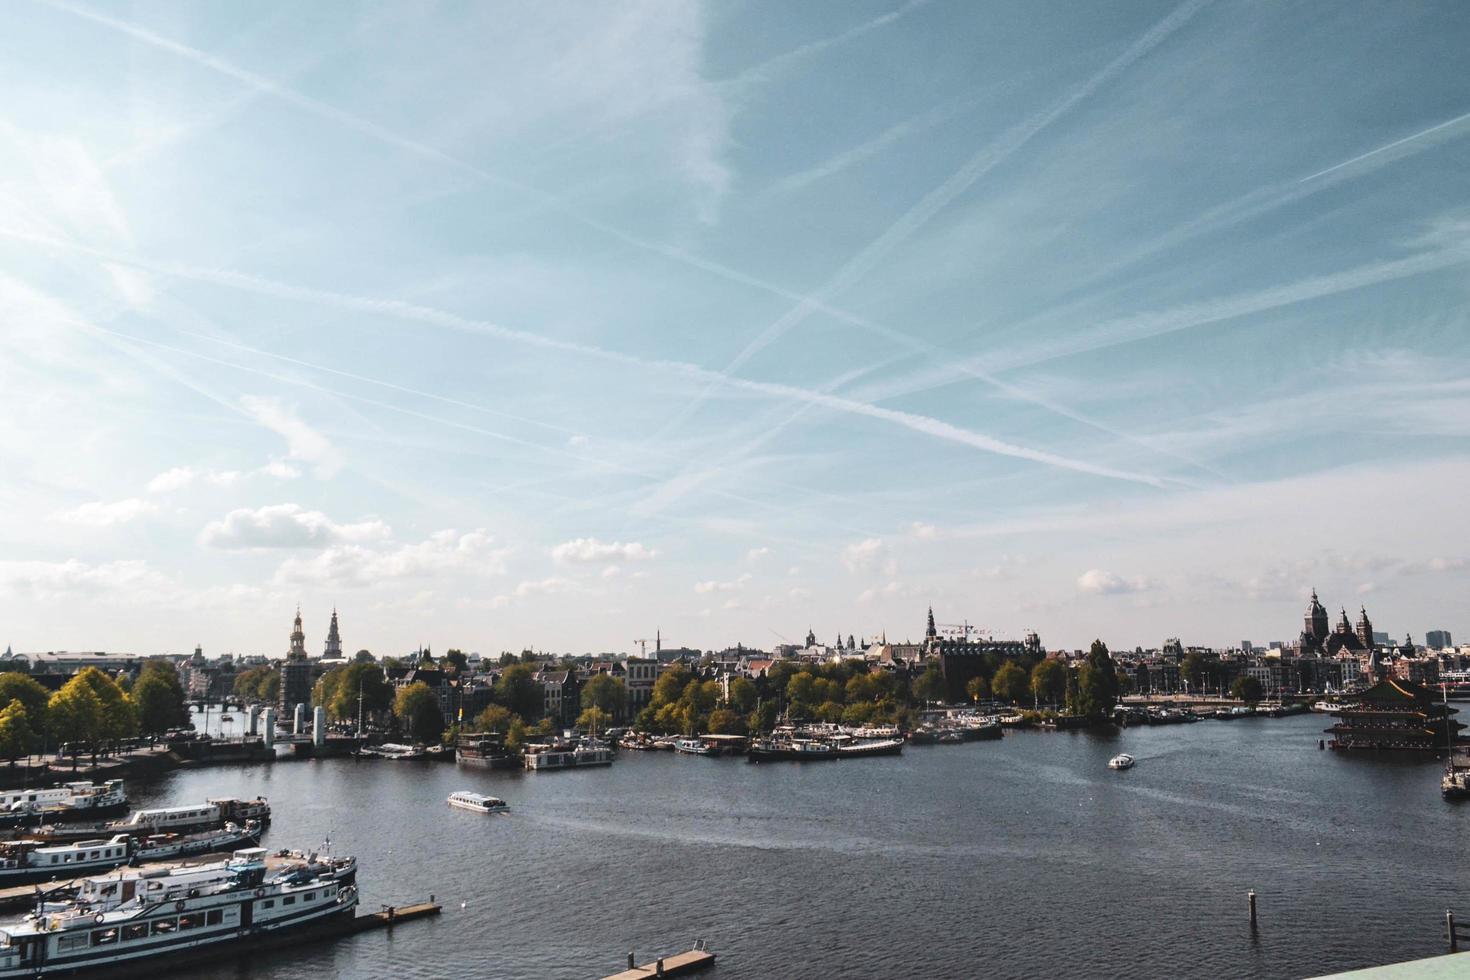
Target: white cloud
column 591, row 550
column 864, row 555
column 303, row 443
column 101, row 513
column 51, row 581
column 183, row 477
column 577, row 442
column 286, row 526
column 1098, row 582
column 756, row 554
column 545, row 586
column 705, row 588
column 356, row 566
column 799, row 592
column 893, row 590
column 280, row 469
column 170, row 480
column 927, row 532
column 612, row 571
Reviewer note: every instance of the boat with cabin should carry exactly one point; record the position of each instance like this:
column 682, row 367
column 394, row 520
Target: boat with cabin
column 790, row 750
column 137, row 919
column 1122, row 761
column 588, row 752
column 213, row 814
column 477, row 802
column 858, row 748
column 69, row 801
column 694, row 746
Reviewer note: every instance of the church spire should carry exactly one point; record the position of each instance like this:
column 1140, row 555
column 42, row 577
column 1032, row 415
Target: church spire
column 334, row 640
column 298, row 640
column 929, row 631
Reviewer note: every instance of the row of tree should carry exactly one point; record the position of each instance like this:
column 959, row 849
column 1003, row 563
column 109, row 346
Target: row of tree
column 91, row 710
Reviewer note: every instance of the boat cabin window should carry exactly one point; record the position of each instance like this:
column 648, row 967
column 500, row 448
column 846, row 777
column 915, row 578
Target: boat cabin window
column 162, row 927
column 66, row 944
column 269, row 903
column 137, row 930
column 191, row 921
column 309, row 896
column 214, row 917
column 104, row 937
column 289, row 900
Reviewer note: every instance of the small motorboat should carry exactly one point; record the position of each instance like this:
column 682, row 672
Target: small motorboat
column 1121, row 761
column 478, row 802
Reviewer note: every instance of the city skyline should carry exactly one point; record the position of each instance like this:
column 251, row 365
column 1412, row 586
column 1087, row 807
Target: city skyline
column 557, row 326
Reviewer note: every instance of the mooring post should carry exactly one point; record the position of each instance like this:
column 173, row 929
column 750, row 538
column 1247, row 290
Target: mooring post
column 631, row 962
column 1449, row 925
column 1250, row 898
column 658, row 967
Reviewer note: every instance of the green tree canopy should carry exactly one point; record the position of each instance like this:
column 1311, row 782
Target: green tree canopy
column 355, row 678
column 1248, row 689
column 456, row 662
column 930, row 685
column 495, row 718
column 16, row 737
column 75, row 715
column 607, row 693
column 977, row 688
column 158, row 698
column 417, row 709
column 725, row 721
column 670, row 686
column 1010, row 682
column 261, row 684
column 1049, row 681
column 518, row 690
column 743, row 695
column 117, row 719
column 25, row 689
column 1098, row 681
column 594, row 719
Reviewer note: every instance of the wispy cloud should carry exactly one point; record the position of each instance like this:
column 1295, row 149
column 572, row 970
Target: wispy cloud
column 286, row 526
column 104, row 513
column 303, row 442
column 592, row 551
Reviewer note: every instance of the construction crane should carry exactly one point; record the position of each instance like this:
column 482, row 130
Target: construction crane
column 657, row 641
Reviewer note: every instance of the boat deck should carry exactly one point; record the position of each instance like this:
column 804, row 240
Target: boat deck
column 23, row 897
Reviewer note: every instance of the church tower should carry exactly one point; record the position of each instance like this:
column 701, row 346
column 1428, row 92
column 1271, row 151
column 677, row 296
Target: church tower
column 1365, row 628
column 334, row 640
column 298, row 640
column 929, row 631
column 1315, row 622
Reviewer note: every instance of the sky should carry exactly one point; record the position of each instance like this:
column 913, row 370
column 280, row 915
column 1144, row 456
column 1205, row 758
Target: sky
column 564, row 325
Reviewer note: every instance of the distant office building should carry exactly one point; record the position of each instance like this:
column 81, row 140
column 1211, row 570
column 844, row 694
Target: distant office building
column 1381, row 639
column 1438, row 639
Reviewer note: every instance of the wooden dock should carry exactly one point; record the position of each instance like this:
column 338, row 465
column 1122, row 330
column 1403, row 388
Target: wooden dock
column 677, row 965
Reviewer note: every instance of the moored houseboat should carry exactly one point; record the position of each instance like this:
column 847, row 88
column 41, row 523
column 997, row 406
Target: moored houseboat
column 790, row 750
column 540, row 757
column 139, row 918
column 70, row 801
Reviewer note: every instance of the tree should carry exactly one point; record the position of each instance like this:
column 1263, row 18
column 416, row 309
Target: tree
column 977, row 688
column 496, row 718
column 593, row 718
column 359, row 678
column 1193, row 668
column 1099, row 682
column 456, row 662
column 1048, row 681
column 158, row 698
column 1010, row 682
column 75, row 716
column 1247, row 689
column 16, row 737
column 724, row 721
column 743, row 695
column 417, row 709
column 117, row 719
column 670, row 686
column 763, row 718
column 518, row 690
column 23, row 688
column 261, row 684
column 930, row 685
column 607, row 693
column 363, row 657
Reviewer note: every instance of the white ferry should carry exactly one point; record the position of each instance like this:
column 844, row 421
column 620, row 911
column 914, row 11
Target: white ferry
column 539, row 757
column 1121, row 761
column 478, row 802
column 135, row 918
column 79, row 801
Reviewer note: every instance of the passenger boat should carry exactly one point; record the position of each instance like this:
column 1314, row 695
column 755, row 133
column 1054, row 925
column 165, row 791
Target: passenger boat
column 478, row 802
column 589, row 753
column 790, row 750
column 71, row 801
column 1121, row 761
column 166, row 847
column 694, row 746
column 857, row 748
column 137, row 918
column 393, row 750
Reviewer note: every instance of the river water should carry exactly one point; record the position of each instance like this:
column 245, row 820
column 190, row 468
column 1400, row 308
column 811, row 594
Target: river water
column 1016, row 858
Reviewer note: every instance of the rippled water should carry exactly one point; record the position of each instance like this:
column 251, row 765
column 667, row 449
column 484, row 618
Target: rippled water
column 1016, row 858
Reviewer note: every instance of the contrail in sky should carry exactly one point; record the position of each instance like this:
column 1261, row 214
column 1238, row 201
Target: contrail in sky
column 1447, row 124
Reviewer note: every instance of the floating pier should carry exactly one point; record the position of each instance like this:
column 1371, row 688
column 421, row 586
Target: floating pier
column 678, row 965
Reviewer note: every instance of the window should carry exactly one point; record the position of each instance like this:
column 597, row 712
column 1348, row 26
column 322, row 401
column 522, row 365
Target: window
column 309, row 896
column 191, row 921
column 103, row 937
column 214, row 917
column 137, row 930
column 68, row 943
column 162, row 927
column 269, row 903
column 289, row 900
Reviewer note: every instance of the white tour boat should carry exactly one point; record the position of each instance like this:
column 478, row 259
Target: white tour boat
column 1121, row 761
column 478, row 802
column 138, row 917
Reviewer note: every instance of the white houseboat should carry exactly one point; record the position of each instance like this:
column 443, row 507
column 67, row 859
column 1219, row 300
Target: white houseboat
column 540, row 757
column 134, row 919
column 71, row 801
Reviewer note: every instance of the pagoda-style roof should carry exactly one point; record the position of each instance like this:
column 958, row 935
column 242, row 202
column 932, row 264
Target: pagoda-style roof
column 1391, row 693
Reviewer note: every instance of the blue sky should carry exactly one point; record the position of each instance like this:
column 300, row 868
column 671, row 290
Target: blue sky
column 559, row 324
